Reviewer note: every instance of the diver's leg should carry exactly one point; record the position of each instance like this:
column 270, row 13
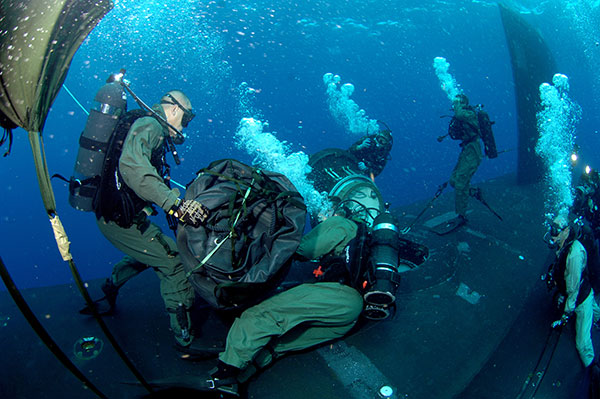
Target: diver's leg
column 153, row 248
column 311, row 313
column 126, row 269
column 595, row 308
column 583, row 330
column 466, row 166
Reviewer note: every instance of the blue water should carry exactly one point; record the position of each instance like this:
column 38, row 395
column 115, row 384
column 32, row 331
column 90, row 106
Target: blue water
column 384, row 48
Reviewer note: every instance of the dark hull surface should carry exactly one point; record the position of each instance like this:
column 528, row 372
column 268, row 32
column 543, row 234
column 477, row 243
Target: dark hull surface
column 471, row 322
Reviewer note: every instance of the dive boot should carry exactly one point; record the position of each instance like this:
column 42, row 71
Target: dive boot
column 106, row 304
column 223, row 379
column 181, row 325
column 110, row 292
column 199, row 351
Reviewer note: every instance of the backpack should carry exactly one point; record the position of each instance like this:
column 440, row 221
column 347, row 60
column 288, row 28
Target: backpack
column 456, row 132
column 244, row 249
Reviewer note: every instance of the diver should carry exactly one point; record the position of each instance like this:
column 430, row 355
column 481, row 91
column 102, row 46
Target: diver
column 353, row 270
column 469, row 125
column 125, row 200
column 570, row 275
column 309, row 314
column 300, row 317
column 373, row 150
column 587, row 199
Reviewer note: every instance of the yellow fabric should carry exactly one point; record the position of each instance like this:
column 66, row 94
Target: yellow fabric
column 62, row 241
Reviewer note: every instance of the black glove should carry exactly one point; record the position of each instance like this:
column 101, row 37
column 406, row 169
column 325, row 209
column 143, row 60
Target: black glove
column 562, row 321
column 189, row 212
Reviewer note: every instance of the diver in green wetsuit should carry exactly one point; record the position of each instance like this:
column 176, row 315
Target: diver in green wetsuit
column 299, row 318
column 464, row 127
column 125, row 202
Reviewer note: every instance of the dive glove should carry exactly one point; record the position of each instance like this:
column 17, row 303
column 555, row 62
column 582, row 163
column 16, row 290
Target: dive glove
column 562, row 321
column 189, row 212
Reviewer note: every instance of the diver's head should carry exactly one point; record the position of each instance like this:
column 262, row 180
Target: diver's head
column 461, row 99
column 559, row 232
column 384, row 138
column 178, row 109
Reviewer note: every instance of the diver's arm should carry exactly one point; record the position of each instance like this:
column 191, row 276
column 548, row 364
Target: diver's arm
column 139, row 174
column 329, row 237
column 575, row 264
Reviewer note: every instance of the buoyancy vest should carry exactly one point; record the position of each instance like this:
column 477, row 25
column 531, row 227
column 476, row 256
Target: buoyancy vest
column 115, row 201
column 558, row 273
column 468, row 132
column 463, row 130
column 350, row 267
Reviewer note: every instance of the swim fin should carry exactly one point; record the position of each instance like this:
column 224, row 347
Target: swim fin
column 103, row 307
column 191, row 384
column 449, row 226
column 198, row 351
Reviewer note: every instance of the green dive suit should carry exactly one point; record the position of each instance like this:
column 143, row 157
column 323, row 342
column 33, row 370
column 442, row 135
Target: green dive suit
column 144, row 242
column 301, row 317
column 469, row 159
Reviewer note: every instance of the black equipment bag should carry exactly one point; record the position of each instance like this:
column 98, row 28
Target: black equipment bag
column 255, row 224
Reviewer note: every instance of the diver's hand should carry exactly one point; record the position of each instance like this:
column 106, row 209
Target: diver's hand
column 560, row 301
column 189, row 212
column 561, row 322
column 365, row 144
column 362, row 166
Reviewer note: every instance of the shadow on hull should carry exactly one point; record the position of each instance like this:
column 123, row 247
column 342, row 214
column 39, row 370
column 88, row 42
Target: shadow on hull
column 532, row 64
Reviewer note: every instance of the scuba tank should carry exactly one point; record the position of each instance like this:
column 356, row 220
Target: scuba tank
column 109, row 104
column 383, row 264
column 485, row 131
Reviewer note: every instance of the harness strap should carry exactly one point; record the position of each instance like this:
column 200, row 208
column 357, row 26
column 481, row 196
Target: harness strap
column 231, row 233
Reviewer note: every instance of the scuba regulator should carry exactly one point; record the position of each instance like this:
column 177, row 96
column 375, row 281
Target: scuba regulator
column 383, row 266
column 179, row 138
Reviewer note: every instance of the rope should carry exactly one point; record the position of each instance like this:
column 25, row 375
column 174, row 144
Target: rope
column 42, row 333
column 76, row 101
column 62, row 241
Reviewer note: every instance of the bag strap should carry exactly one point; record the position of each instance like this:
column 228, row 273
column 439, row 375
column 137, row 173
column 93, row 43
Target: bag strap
column 230, row 235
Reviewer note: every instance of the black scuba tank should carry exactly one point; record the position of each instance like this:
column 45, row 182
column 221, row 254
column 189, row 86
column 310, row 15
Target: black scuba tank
column 384, row 263
column 109, row 104
column 486, row 133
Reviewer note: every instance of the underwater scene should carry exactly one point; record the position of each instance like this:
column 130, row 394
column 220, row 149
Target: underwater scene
column 363, row 199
